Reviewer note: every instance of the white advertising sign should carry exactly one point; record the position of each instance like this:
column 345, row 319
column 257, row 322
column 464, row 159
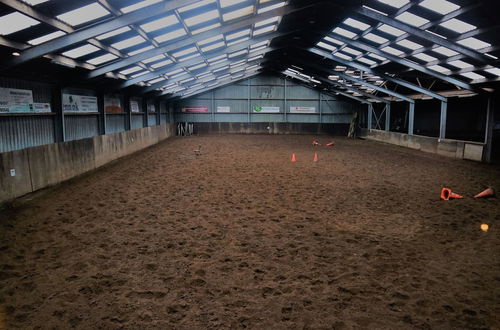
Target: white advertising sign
column 223, row 109
column 266, row 109
column 79, row 103
column 15, row 100
column 41, row 107
column 134, row 106
column 302, row 109
column 151, row 108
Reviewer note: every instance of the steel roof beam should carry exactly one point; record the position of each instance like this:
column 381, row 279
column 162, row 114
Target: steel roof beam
column 404, row 62
column 377, row 73
column 423, row 34
column 359, row 81
column 189, row 41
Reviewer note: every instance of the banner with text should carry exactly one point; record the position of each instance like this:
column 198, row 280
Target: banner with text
column 194, row 109
column 134, row 106
column 79, row 103
column 112, row 105
column 223, row 109
column 302, row 109
column 259, row 109
column 15, row 100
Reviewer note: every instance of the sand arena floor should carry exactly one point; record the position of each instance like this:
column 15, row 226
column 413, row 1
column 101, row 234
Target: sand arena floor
column 240, row 237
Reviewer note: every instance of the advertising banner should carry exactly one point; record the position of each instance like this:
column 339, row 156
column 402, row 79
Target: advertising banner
column 266, row 109
column 15, row 100
column 79, row 103
column 41, row 107
column 112, row 104
column 134, row 106
column 223, row 109
column 302, row 109
column 194, row 109
column 151, row 108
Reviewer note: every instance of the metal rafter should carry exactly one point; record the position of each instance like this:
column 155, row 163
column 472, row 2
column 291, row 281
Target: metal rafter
column 377, row 73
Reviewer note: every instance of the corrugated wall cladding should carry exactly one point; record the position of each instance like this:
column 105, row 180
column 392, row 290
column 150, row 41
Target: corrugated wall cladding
column 115, row 123
column 267, row 91
column 152, row 119
column 137, row 121
column 25, row 131
column 41, row 92
column 80, row 127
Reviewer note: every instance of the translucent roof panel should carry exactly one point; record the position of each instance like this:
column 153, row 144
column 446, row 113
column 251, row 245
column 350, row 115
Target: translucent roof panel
column 356, row 24
column 113, row 33
column 138, row 5
column 444, row 51
column 375, row 38
column 391, row 30
column 442, row 7
column 425, row 57
column 458, row 26
column 474, row 43
column 160, row 23
column 267, row 21
column 202, row 18
column 229, row 3
column 245, row 11
column 344, row 32
column 473, row 75
column 395, row 3
column 412, row 19
column 102, row 59
column 34, row 2
column 15, row 22
column 409, row 44
column 46, row 37
column 460, row 64
column 171, row 35
column 128, row 42
column 84, row 14
column 263, row 30
column 81, row 51
column 271, row 7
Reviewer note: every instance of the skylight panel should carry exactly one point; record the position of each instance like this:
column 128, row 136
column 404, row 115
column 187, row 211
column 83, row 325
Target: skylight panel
column 238, row 13
column 267, row 21
column 326, row 46
column 445, row 51
column 375, row 56
column 251, row 59
column 189, row 57
column 269, row 8
column 198, row 66
column 411, row 19
column 237, row 41
column 460, row 64
column 130, row 70
column 213, row 46
column 458, row 26
column 392, row 51
column 333, row 41
column 139, row 74
column 345, row 57
column 81, row 51
column 154, row 81
column 195, row 5
column 211, row 39
column 344, row 32
column 202, row 18
column 213, row 59
column 141, row 50
column 113, row 33
column 356, row 24
column 171, row 35
column 409, row 44
column 253, row 50
column 128, row 42
column 228, row 3
column 160, row 23
column 395, row 3
column 15, row 22
column 438, row 68
column 238, row 34
column 238, row 53
column 351, row 51
column 472, row 75
column 391, row 30
column 259, row 44
column 221, row 69
column 425, row 57
column 366, row 61
column 138, row 5
column 494, row 71
column 218, row 62
column 102, row 59
column 237, row 64
column 154, row 58
column 375, row 38
column 442, row 7
column 34, row 2
column 206, row 28
column 160, row 64
column 264, row 30
column 185, row 52
column 46, row 37
column 171, row 73
column 474, row 43
column 83, row 14
column 186, row 80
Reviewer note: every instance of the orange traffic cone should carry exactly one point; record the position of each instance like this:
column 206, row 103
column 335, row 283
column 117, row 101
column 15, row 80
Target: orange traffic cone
column 490, row 192
column 293, row 158
column 330, row 144
column 315, row 157
column 446, row 194
column 315, row 143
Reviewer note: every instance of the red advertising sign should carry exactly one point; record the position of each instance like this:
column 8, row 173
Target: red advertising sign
column 195, row 109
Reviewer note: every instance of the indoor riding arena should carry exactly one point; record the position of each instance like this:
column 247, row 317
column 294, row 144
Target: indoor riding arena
column 249, row 164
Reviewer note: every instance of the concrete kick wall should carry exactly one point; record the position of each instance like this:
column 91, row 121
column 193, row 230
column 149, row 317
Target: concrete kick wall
column 274, row 128
column 47, row 165
column 444, row 147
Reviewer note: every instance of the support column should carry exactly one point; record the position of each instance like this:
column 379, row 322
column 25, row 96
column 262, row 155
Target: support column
column 144, row 102
column 249, row 97
column 411, row 118
column 128, row 112
column 442, row 122
column 388, row 116
column 59, row 128
column 284, row 107
column 102, row 113
column 212, row 95
column 369, row 119
column 488, row 134
column 158, row 111
column 320, row 108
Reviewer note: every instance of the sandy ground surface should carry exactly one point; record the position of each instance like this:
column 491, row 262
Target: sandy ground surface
column 240, row 237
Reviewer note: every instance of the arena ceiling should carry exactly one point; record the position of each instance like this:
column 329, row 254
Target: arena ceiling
column 367, row 50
